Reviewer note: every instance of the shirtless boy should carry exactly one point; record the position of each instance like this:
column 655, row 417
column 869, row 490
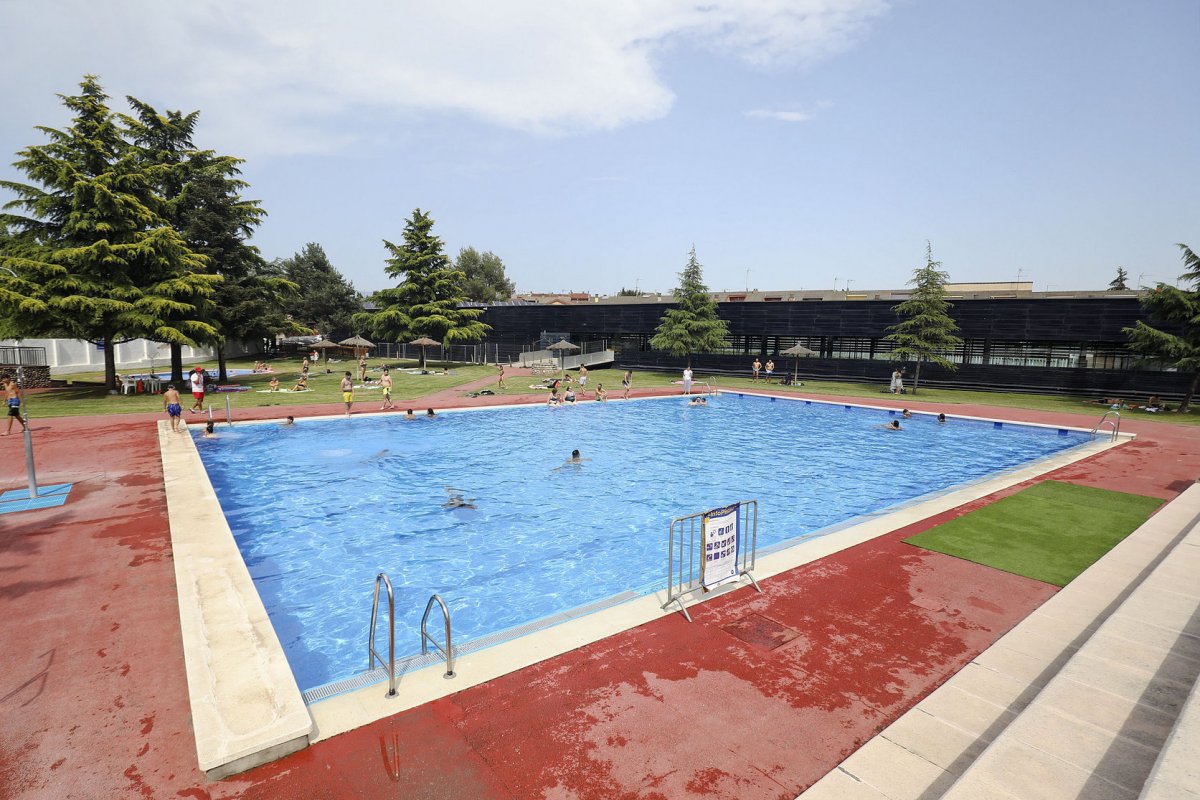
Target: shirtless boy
column 172, row 405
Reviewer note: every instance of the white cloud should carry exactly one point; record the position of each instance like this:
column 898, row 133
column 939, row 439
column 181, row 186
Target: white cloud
column 784, row 116
column 286, row 77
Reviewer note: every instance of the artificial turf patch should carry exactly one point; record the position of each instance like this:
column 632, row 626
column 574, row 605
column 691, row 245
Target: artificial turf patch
column 1050, row 532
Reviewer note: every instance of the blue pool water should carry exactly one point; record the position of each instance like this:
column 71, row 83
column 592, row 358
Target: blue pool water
column 319, row 508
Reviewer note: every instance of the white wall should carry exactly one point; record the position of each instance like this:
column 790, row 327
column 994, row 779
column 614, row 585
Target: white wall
column 73, row 355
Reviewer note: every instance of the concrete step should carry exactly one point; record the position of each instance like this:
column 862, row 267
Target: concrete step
column 1075, row 701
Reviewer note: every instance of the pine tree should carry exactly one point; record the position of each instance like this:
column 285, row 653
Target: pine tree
column 927, row 333
column 1118, row 283
column 428, row 300
column 1179, row 309
column 217, row 222
column 693, row 326
column 95, row 258
column 327, row 302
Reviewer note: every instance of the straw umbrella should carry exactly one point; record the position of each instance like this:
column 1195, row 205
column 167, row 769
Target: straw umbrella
column 324, row 346
column 796, row 352
column 562, row 346
column 424, row 342
column 358, row 343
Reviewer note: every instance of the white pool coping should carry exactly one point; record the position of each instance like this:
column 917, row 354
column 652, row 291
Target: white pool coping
column 246, row 705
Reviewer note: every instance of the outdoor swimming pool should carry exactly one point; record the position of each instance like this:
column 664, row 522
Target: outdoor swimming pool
column 319, row 508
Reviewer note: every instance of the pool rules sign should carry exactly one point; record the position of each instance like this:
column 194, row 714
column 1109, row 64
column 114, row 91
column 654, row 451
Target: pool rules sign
column 721, row 539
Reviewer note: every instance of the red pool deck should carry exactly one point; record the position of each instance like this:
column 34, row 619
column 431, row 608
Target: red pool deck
column 758, row 698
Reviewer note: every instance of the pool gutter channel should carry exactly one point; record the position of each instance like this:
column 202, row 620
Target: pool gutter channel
column 269, row 717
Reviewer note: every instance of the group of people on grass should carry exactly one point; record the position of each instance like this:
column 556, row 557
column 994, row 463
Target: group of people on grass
column 562, row 392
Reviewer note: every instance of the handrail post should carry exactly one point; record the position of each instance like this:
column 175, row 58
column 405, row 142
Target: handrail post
column 372, row 654
column 426, row 639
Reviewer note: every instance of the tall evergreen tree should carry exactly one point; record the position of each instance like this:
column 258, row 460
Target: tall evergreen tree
column 1118, row 284
column 927, row 333
column 693, row 326
column 1169, row 306
column 326, row 302
column 95, row 258
column 485, row 279
column 217, row 222
column 428, row 300
column 164, row 142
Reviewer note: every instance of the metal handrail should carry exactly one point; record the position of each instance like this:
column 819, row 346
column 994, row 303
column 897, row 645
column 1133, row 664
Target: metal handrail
column 1116, row 426
column 426, row 639
column 390, row 664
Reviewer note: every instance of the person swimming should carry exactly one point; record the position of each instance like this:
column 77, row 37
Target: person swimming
column 455, row 499
column 698, row 401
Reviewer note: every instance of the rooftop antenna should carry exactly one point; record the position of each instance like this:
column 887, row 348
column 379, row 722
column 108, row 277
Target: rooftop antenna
column 848, row 282
column 747, row 280
column 1019, row 271
column 835, row 282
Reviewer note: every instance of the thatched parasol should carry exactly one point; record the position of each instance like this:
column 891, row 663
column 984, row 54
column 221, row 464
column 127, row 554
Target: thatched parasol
column 324, row 346
column 424, row 342
column 562, row 346
column 796, row 352
column 358, row 343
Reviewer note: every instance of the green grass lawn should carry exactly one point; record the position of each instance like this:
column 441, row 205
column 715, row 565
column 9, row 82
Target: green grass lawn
column 86, row 396
column 1050, row 532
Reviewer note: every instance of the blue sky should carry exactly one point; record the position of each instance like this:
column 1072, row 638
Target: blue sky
column 801, row 144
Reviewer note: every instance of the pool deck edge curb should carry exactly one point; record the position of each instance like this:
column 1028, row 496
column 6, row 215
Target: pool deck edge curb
column 246, row 707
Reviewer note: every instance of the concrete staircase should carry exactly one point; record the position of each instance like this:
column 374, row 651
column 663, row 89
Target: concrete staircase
column 1091, row 696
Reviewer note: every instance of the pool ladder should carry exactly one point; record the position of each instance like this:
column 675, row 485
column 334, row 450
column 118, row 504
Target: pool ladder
column 1115, row 425
column 373, row 655
column 427, row 640
column 390, row 665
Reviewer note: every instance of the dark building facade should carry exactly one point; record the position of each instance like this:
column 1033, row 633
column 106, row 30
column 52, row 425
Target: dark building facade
column 1051, row 344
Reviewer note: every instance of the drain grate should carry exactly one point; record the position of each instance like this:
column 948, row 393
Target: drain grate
column 760, row 631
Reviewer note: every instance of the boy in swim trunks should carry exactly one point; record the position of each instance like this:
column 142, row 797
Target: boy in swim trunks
column 770, row 369
column 385, row 380
column 172, row 406
column 348, row 392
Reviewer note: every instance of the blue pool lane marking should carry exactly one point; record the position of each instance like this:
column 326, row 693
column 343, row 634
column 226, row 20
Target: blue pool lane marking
column 48, row 497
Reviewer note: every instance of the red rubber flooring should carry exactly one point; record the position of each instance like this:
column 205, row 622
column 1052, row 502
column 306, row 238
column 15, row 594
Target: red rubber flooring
column 757, row 699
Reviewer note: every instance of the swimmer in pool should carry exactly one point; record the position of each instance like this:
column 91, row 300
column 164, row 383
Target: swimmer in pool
column 455, row 499
column 575, row 461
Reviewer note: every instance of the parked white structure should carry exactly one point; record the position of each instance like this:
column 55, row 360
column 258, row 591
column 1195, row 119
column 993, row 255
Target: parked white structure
column 74, row 355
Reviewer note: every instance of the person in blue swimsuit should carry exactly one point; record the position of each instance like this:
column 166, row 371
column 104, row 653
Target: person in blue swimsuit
column 172, row 405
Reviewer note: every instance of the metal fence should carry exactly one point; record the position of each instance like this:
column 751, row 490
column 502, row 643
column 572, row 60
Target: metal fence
column 686, row 550
column 483, row 353
column 23, row 356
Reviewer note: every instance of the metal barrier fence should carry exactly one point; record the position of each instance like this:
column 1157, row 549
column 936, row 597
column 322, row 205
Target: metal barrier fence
column 483, row 353
column 686, row 551
column 11, row 356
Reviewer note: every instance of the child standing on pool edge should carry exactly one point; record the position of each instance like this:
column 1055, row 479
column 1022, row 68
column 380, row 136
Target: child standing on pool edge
column 348, row 391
